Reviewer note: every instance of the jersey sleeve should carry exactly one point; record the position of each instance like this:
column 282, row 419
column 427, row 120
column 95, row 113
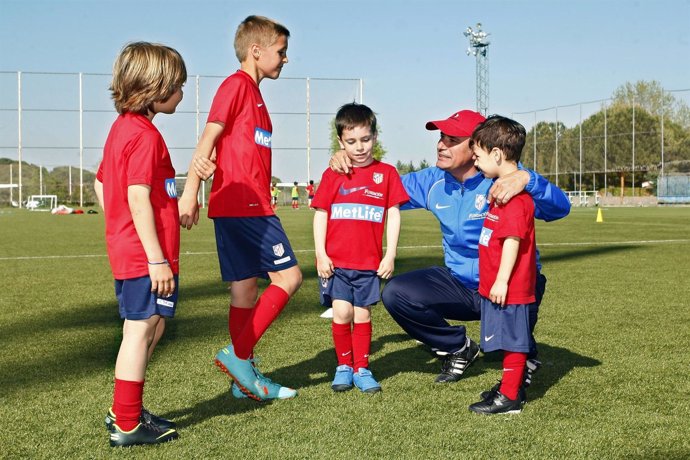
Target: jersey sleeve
column 323, row 196
column 99, row 173
column 417, row 185
column 142, row 157
column 226, row 103
column 517, row 219
column 396, row 191
column 550, row 202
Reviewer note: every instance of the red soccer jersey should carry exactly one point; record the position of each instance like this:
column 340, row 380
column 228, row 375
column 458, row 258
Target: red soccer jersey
column 241, row 184
column 516, row 218
column 310, row 190
column 135, row 154
column 357, row 204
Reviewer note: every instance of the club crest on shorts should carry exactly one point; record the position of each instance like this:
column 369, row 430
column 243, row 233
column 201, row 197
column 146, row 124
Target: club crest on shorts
column 278, row 249
column 479, row 202
column 378, row 178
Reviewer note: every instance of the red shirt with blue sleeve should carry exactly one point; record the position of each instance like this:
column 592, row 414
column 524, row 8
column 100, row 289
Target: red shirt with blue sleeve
column 242, row 180
column 135, row 154
column 357, row 204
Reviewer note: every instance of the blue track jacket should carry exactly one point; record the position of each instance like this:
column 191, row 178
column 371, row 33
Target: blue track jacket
column 460, row 207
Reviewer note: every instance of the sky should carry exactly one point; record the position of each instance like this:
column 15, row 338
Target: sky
column 410, row 55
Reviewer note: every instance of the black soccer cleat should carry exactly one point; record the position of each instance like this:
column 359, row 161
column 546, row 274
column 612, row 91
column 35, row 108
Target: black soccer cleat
column 146, row 418
column 499, row 404
column 531, row 367
column 140, row 435
column 455, row 364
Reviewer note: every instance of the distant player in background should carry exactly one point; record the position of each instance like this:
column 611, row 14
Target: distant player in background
column 295, row 196
column 310, row 192
column 274, row 195
column 135, row 185
column 250, row 239
column 507, row 265
column 350, row 216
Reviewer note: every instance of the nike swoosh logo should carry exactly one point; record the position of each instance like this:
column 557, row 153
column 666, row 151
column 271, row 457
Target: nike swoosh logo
column 347, row 191
column 345, row 354
column 438, row 206
column 487, row 339
column 259, row 105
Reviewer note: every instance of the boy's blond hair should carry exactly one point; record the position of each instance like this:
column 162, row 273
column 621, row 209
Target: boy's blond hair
column 145, row 73
column 260, row 30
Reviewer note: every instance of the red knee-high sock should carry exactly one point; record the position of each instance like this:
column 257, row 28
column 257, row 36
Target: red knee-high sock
column 237, row 320
column 265, row 311
column 342, row 340
column 513, row 368
column 127, row 399
column 361, row 344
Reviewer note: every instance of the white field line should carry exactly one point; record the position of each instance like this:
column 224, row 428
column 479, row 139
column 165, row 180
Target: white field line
column 188, row 253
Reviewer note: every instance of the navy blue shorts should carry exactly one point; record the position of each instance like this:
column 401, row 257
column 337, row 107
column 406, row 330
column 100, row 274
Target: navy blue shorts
column 137, row 302
column 505, row 328
column 250, row 247
column 361, row 288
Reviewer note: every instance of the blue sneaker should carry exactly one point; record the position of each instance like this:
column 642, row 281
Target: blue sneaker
column 273, row 390
column 343, row 378
column 365, row 381
column 242, row 372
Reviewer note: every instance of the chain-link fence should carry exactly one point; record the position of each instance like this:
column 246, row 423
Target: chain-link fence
column 53, row 127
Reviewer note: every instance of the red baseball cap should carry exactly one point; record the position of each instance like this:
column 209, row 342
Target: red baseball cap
column 460, row 124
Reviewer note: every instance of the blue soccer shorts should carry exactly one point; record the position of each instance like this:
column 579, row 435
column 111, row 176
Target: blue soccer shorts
column 361, row 288
column 250, row 247
column 137, row 302
column 504, row 327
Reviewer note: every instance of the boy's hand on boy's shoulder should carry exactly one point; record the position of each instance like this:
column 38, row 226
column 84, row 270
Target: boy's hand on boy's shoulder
column 386, row 268
column 189, row 211
column 162, row 280
column 204, row 167
column 506, row 187
column 340, row 163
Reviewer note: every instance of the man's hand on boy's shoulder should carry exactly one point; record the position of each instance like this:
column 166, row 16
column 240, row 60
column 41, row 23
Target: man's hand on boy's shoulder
column 340, row 163
column 507, row 187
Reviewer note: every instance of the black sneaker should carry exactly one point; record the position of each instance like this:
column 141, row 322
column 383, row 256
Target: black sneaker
column 531, row 367
column 455, row 364
column 141, row 434
column 499, row 404
column 146, row 418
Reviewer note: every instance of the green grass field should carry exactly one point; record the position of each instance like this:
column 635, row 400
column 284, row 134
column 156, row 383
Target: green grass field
column 613, row 332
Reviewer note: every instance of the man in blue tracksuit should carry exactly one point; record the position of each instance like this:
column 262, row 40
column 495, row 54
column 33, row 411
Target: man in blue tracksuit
column 421, row 301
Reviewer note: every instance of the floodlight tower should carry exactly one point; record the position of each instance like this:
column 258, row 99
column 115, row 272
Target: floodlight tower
column 479, row 47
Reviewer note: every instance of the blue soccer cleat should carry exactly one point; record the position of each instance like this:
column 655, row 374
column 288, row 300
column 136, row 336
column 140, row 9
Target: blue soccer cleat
column 271, row 389
column 242, row 372
column 364, row 380
column 343, row 378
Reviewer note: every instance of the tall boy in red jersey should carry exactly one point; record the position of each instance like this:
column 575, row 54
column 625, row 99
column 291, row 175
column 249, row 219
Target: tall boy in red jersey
column 250, row 239
column 507, row 265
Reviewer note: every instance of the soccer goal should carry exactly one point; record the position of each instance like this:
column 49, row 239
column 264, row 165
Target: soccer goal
column 41, row 202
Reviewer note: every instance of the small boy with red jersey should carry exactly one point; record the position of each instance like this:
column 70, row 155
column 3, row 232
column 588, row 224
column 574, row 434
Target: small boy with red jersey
column 350, row 216
column 250, row 239
column 135, row 185
column 310, row 193
column 507, row 265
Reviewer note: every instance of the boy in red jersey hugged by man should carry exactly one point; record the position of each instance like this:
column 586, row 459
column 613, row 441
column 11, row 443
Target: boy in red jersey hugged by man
column 250, row 239
column 135, row 185
column 507, row 265
column 353, row 208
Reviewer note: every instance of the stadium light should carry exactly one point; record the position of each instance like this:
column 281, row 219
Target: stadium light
column 479, row 48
